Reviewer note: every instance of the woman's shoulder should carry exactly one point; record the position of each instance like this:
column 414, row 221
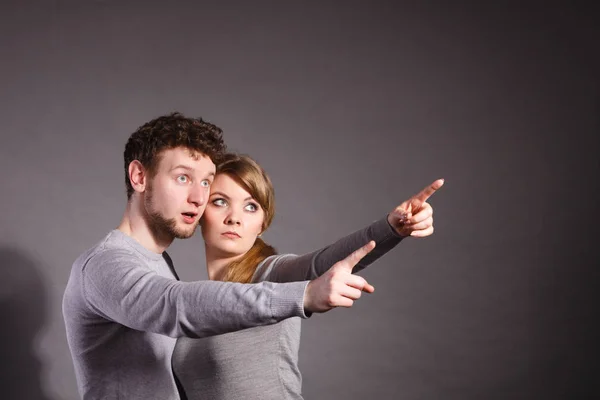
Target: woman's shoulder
column 265, row 267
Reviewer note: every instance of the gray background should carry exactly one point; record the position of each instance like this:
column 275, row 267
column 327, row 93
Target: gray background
column 351, row 107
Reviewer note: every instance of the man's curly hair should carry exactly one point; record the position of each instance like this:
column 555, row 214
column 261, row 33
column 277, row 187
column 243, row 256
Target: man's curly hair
column 167, row 132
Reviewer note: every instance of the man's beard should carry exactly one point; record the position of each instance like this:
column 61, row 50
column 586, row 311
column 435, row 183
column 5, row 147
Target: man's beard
column 162, row 227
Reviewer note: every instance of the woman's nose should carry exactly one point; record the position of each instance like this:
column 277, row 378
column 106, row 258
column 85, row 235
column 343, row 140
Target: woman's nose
column 232, row 219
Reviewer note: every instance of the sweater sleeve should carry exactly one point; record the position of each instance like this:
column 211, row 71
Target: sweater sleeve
column 116, row 287
column 291, row 268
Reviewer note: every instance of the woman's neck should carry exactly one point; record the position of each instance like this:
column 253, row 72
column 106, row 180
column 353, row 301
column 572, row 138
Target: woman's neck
column 216, row 264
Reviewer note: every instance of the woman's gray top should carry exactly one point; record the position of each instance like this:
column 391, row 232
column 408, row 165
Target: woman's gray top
column 262, row 362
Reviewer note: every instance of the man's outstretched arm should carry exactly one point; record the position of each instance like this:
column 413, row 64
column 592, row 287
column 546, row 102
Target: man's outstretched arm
column 118, row 289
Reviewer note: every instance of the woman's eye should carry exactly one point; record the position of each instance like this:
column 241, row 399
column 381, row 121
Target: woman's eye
column 182, row 179
column 219, row 202
column 205, row 183
column 251, row 207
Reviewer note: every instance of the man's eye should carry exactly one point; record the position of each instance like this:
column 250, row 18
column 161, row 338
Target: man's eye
column 182, row 179
column 205, row 183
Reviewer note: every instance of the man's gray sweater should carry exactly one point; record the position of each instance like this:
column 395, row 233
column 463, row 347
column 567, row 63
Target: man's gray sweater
column 124, row 308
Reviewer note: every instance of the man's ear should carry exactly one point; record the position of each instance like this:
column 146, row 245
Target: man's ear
column 138, row 176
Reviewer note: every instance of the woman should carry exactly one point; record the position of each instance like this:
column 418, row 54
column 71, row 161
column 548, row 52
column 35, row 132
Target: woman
column 262, row 362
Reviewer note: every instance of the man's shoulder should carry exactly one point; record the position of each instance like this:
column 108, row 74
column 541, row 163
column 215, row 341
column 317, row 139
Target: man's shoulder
column 110, row 247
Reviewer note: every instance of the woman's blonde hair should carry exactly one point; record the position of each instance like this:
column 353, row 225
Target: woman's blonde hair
column 245, row 171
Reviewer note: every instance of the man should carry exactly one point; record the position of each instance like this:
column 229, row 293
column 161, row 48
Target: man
column 123, row 305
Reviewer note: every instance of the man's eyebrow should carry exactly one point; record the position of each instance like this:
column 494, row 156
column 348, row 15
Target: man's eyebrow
column 182, row 166
column 211, row 174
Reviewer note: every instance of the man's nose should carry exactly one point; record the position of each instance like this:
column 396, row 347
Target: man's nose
column 198, row 195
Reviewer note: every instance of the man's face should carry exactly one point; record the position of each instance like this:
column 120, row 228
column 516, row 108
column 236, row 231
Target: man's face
column 176, row 195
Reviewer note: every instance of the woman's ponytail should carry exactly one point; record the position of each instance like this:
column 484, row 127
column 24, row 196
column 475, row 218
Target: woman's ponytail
column 243, row 269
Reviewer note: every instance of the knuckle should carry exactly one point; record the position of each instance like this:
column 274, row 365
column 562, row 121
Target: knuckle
column 330, row 301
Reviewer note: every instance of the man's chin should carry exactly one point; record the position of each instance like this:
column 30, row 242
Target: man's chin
column 181, row 233
column 170, row 228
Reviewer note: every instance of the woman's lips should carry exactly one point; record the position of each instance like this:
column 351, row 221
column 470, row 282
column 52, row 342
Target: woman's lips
column 231, row 235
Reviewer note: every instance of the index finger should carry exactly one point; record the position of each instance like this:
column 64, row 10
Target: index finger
column 429, row 190
column 357, row 255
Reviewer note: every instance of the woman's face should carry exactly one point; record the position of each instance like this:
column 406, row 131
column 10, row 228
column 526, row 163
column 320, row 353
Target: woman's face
column 232, row 219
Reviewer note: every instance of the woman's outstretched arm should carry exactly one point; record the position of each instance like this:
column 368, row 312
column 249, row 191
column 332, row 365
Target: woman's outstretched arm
column 413, row 217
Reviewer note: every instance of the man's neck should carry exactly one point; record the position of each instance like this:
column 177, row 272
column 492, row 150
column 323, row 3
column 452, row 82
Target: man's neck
column 135, row 225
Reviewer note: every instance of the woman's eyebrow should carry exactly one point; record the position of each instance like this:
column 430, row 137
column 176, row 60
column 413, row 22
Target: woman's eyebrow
column 227, row 197
column 220, row 194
